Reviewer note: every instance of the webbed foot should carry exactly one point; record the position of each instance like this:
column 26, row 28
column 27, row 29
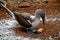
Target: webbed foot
column 31, row 31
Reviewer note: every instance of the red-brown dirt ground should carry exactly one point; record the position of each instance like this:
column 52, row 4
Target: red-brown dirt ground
column 50, row 28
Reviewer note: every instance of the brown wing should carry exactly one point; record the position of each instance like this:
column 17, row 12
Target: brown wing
column 25, row 15
column 22, row 21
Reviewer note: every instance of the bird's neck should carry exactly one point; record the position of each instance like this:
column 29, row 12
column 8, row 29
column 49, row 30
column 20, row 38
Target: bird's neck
column 36, row 21
column 37, row 16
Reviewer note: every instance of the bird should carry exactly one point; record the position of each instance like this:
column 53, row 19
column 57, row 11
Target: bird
column 27, row 20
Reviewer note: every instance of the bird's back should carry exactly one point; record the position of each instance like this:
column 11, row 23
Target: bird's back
column 22, row 21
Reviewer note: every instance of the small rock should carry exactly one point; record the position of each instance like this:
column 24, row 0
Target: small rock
column 50, row 38
column 40, row 30
column 24, row 4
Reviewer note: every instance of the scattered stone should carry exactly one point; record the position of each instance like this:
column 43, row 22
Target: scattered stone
column 50, row 38
column 40, row 30
column 25, row 4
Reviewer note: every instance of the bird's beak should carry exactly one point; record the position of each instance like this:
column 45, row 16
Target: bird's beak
column 43, row 18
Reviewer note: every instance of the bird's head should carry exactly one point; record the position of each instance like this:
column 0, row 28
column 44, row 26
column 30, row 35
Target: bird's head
column 41, row 13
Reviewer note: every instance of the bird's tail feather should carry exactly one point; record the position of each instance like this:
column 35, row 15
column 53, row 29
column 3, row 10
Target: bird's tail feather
column 8, row 11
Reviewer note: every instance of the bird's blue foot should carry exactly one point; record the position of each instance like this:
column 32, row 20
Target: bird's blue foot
column 31, row 31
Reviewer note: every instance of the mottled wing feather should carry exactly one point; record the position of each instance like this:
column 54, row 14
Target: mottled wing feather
column 27, row 16
column 22, row 21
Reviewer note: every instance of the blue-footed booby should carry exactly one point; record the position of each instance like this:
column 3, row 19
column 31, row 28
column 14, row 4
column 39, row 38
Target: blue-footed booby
column 27, row 20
